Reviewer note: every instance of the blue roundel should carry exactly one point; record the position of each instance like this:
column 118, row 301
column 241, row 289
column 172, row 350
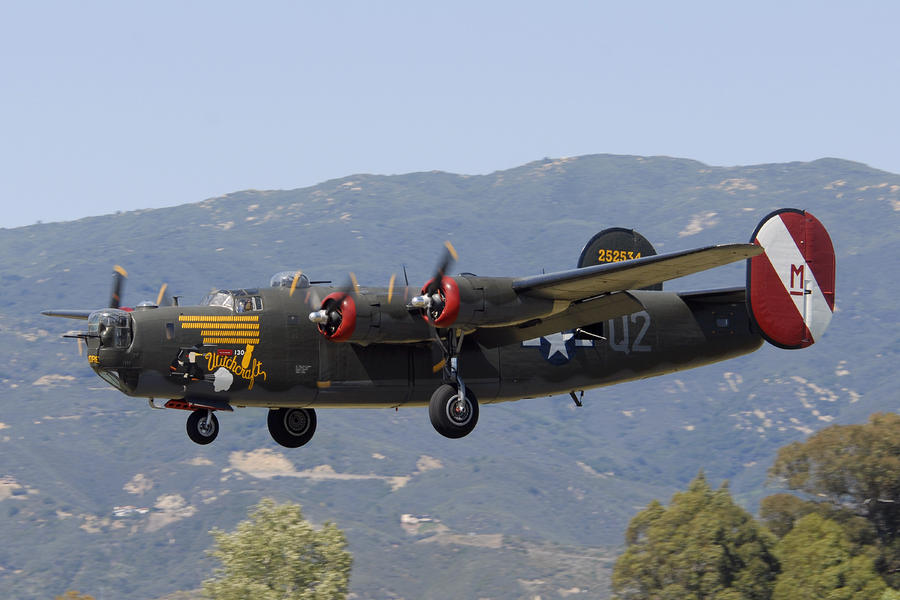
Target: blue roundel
column 557, row 348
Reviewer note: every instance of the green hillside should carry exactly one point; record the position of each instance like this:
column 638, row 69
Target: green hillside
column 535, row 501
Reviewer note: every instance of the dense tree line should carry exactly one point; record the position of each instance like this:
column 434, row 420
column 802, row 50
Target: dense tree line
column 837, row 538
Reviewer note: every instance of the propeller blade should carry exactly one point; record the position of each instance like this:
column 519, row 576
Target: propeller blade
column 294, row 282
column 119, row 276
column 450, row 256
column 447, row 259
column 80, row 346
column 161, row 298
column 391, row 287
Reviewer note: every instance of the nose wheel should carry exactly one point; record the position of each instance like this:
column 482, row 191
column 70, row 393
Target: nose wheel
column 453, row 415
column 202, row 426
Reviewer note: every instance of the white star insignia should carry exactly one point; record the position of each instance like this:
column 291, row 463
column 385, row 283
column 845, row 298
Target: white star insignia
column 558, row 343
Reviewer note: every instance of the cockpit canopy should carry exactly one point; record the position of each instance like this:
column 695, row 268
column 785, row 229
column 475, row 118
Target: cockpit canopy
column 235, row 300
column 286, row 279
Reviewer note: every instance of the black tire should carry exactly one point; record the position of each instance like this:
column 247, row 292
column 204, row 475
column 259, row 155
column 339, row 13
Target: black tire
column 197, row 432
column 292, row 427
column 450, row 419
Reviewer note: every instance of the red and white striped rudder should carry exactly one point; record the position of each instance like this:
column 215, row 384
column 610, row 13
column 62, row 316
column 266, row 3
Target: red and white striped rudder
column 790, row 287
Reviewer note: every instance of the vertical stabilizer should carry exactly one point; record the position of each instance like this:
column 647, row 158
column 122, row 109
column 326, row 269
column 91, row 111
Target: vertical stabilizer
column 790, row 288
column 616, row 244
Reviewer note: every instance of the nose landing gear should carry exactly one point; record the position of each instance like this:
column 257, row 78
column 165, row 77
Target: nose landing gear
column 202, row 426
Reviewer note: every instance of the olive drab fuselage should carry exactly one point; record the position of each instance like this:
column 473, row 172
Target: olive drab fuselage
column 273, row 356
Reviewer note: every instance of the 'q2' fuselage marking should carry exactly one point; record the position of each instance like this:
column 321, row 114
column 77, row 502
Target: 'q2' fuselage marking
column 558, row 348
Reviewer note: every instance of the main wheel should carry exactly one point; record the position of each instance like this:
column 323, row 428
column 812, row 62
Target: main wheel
column 292, row 427
column 200, row 429
column 452, row 416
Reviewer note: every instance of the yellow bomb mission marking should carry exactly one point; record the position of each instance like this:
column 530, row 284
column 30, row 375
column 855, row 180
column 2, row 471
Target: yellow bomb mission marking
column 223, row 329
column 249, row 368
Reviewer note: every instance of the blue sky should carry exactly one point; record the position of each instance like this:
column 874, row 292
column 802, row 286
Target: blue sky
column 109, row 106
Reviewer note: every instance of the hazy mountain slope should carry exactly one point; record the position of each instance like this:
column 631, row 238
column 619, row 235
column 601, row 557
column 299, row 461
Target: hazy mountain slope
column 537, row 484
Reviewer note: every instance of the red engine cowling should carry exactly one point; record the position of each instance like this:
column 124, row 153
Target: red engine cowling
column 340, row 310
column 444, row 304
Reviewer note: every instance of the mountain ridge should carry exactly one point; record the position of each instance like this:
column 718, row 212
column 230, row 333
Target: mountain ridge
column 549, row 479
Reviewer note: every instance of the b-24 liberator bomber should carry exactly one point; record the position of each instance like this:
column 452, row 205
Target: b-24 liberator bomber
column 461, row 341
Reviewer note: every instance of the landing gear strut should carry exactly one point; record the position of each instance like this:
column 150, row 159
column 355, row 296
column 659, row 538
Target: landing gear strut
column 292, row 427
column 202, row 426
column 453, row 407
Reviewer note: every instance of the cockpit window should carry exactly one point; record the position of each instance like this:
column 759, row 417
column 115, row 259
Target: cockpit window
column 220, row 298
column 248, row 303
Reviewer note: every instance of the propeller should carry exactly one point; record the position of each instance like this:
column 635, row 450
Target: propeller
column 448, row 257
column 336, row 316
column 440, row 295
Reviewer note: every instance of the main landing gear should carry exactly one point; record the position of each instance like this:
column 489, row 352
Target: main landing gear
column 453, row 408
column 292, row 427
column 453, row 414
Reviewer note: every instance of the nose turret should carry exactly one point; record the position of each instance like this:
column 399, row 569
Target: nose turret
column 109, row 335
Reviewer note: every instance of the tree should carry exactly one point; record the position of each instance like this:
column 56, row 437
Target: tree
column 703, row 546
column 277, row 555
column 856, row 467
column 780, row 512
column 818, row 561
column 856, row 470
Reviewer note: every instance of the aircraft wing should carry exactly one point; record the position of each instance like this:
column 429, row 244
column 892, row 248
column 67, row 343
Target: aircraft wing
column 599, row 293
column 586, row 282
column 67, row 314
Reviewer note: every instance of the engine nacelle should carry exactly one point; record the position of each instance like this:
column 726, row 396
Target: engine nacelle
column 365, row 318
column 467, row 302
